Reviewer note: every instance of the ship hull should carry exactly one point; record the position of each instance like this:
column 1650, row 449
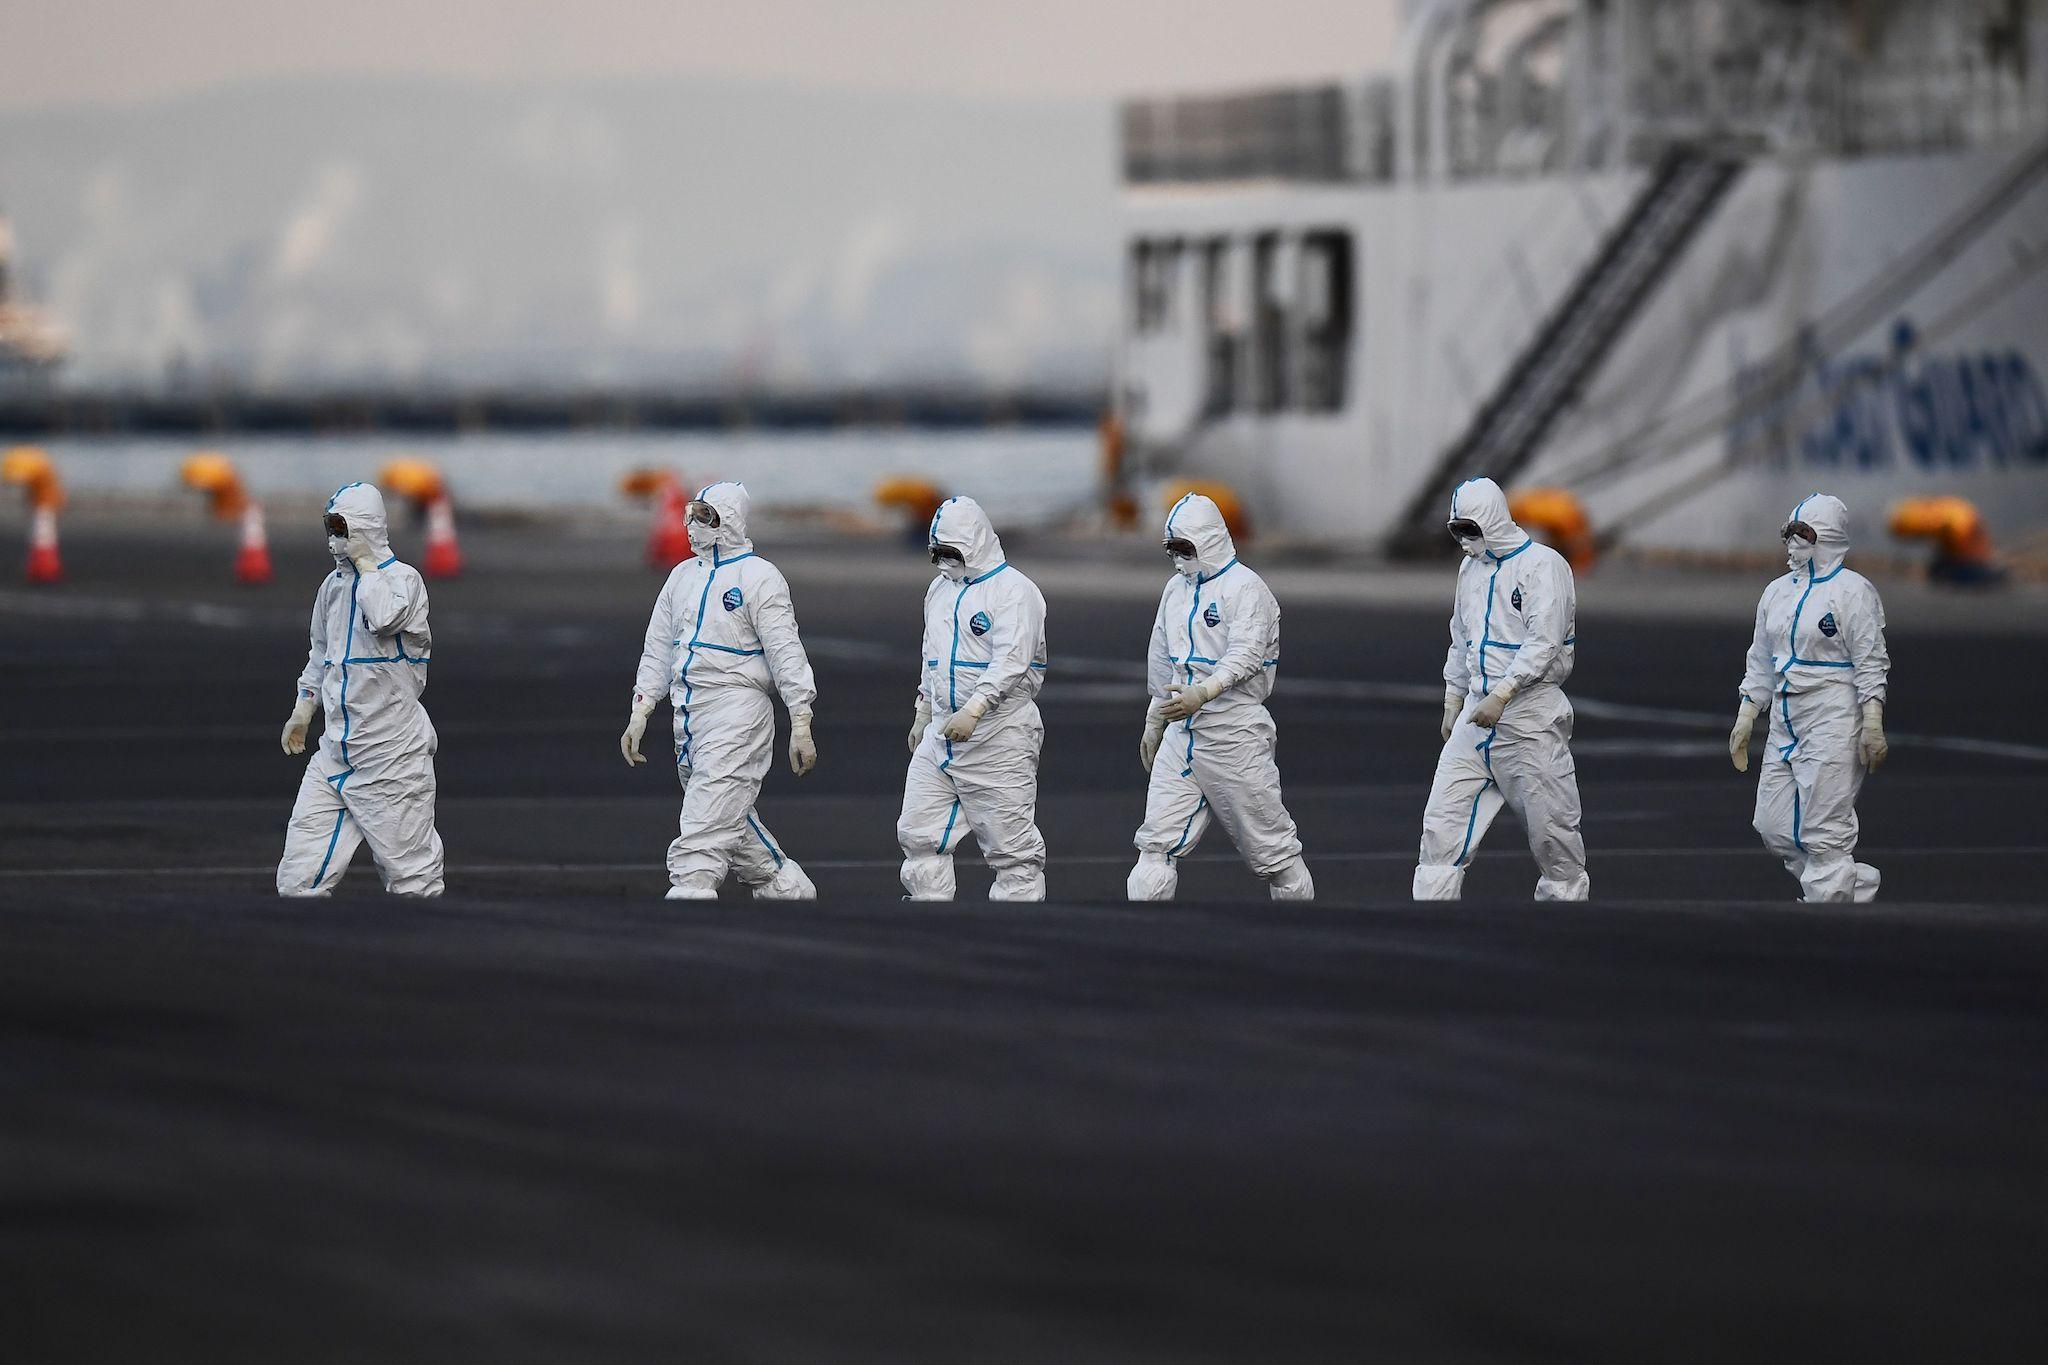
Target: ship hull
column 1727, row 397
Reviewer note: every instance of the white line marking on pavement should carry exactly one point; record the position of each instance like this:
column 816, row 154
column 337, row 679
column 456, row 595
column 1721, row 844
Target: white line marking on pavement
column 1352, row 689
column 73, row 608
column 1117, row 670
column 1072, row 860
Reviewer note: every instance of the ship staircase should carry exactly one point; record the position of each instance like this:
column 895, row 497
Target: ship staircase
column 1566, row 350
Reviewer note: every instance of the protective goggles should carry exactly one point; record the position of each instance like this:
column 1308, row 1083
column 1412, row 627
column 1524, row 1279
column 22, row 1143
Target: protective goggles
column 1464, row 528
column 946, row 554
column 1179, row 547
column 701, row 512
column 336, row 524
column 1797, row 528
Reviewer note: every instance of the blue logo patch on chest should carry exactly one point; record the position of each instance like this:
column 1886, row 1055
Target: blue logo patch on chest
column 732, row 599
column 1516, row 598
column 980, row 624
column 1828, row 626
column 1212, row 616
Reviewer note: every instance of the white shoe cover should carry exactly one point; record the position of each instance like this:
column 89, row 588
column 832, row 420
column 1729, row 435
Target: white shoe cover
column 1292, row 883
column 790, row 883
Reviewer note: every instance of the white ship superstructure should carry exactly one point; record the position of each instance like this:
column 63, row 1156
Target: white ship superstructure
column 1686, row 258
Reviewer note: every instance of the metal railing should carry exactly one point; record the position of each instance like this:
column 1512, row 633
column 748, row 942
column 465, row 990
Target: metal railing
column 1596, row 87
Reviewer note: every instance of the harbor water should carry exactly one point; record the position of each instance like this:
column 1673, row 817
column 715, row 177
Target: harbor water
column 1027, row 477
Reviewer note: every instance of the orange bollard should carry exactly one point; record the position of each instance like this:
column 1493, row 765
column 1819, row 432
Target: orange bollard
column 917, row 499
column 668, row 539
column 1559, row 520
column 44, row 564
column 444, row 555
column 214, row 474
column 668, row 543
column 421, row 484
column 1235, row 519
column 33, row 470
column 1117, row 499
column 252, row 561
column 1963, row 555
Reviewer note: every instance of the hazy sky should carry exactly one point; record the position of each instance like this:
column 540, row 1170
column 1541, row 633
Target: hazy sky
column 94, row 50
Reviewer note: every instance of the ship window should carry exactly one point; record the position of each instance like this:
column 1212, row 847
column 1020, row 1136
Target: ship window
column 1269, row 323
column 1155, row 272
column 1325, row 299
column 1144, row 286
column 1222, row 326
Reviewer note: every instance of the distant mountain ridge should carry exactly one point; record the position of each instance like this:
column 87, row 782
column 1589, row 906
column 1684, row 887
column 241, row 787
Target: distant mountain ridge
column 634, row 231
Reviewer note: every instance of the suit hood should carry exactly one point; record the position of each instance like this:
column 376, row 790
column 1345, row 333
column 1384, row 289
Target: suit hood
column 1483, row 502
column 732, row 503
column 363, row 507
column 1196, row 518
column 961, row 524
column 1828, row 515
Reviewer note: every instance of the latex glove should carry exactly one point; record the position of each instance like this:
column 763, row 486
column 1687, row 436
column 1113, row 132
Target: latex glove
column 1454, row 703
column 803, row 754
column 1871, row 744
column 1738, row 738
column 962, row 722
column 293, row 740
column 1487, row 713
column 359, row 551
column 1155, row 731
column 920, row 723
column 1189, row 698
column 636, row 726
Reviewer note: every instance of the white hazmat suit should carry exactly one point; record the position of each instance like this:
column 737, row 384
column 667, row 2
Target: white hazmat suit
column 371, row 778
column 1818, row 665
column 1508, row 723
column 721, row 642
column 1209, row 740
column 974, row 755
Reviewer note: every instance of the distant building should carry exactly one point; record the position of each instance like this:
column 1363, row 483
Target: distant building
column 32, row 346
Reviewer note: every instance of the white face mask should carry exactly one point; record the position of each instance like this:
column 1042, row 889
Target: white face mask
column 1798, row 552
column 1187, row 566
column 1473, row 546
column 338, row 547
column 954, row 570
column 702, row 538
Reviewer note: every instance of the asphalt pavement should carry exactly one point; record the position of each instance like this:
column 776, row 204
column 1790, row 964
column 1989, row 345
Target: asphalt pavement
column 552, row 1117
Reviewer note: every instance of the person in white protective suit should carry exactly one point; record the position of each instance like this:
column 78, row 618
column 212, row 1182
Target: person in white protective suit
column 1817, row 664
column 975, row 741
column 722, row 640
column 1507, row 726
column 1209, row 740
column 371, row 778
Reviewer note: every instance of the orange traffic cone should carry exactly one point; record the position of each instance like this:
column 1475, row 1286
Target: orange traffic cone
column 252, row 561
column 444, row 555
column 43, row 564
column 668, row 544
